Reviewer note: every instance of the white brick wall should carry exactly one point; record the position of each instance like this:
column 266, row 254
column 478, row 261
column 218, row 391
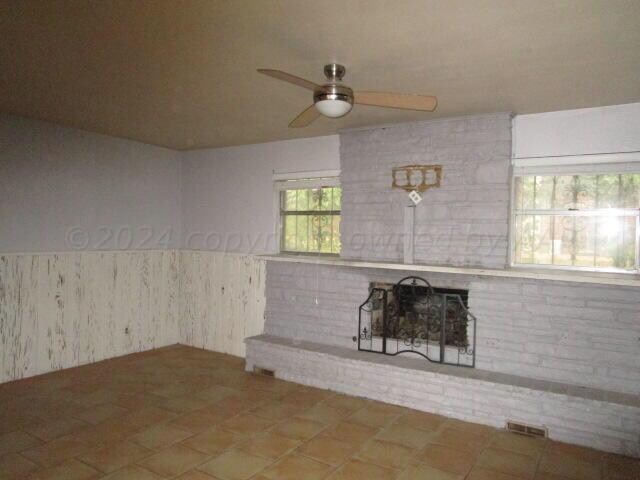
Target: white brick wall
column 605, row 424
column 464, row 222
column 572, row 333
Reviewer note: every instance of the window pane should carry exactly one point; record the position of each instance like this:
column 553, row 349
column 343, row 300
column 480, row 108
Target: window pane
column 289, row 233
column 603, row 241
column 561, row 192
column 631, row 189
column 302, row 233
column 534, row 239
column 313, row 231
column 335, row 240
column 337, row 197
column 304, row 200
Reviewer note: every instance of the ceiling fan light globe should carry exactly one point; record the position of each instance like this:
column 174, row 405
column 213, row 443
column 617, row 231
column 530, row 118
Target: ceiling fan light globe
column 333, row 108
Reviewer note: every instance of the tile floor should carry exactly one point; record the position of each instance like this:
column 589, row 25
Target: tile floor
column 189, row 414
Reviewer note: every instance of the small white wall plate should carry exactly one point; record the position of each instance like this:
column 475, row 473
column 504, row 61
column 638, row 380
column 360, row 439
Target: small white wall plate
column 415, row 197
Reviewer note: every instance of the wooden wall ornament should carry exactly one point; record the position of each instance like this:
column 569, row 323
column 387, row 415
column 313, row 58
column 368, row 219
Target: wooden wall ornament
column 416, row 177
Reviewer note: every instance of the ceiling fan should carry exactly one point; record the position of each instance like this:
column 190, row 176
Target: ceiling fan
column 334, row 99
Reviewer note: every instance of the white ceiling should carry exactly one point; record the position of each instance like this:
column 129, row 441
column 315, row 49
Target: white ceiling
column 182, row 73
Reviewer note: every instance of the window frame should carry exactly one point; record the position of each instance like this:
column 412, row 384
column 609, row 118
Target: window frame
column 304, row 180
column 560, row 170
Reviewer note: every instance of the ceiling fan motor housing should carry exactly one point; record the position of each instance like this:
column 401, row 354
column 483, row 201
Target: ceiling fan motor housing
column 334, row 72
column 333, row 99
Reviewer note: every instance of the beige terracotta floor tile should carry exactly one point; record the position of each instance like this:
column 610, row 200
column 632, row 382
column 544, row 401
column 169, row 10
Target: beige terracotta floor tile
column 196, row 475
column 233, row 405
column 100, row 413
column 173, row 461
column 109, row 431
column 548, row 476
column 17, row 441
column 58, row 450
column 10, row 422
column 328, row 450
column 160, row 436
column 522, row 444
column 346, row 402
column 357, row 470
column 482, row 473
column 299, row 428
column 185, row 403
column 583, row 454
column 352, row 433
column 214, row 441
column 148, row 416
column 269, row 445
column 246, row 424
column 324, row 413
column 132, row 472
column 196, row 422
column 425, row 472
column 235, row 465
column 171, row 390
column 387, row 407
column 276, row 410
column 446, row 459
column 617, row 467
column 386, row 454
column 372, row 416
column 306, row 398
column 405, row 435
column 480, row 431
column 507, row 462
column 14, row 465
column 56, row 428
column 295, row 467
column 137, row 401
column 422, row 420
column 68, row 470
column 570, row 466
column 215, row 393
column 97, row 397
column 115, row 456
column 460, row 440
column 181, row 404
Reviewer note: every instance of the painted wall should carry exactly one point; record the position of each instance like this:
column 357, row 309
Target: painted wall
column 73, row 308
column 227, row 193
column 63, row 189
column 577, row 132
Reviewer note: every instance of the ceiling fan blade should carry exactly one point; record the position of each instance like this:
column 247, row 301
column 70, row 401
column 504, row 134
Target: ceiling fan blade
column 287, row 77
column 305, row 118
column 397, row 100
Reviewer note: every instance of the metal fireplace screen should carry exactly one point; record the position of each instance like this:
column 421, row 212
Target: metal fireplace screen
column 412, row 316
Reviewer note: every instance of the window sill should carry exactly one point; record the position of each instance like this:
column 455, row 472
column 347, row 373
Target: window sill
column 626, row 280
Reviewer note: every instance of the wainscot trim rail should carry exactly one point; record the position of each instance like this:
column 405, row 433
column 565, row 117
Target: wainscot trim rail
column 625, row 280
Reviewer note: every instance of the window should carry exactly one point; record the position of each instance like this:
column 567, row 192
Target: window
column 583, row 221
column 310, row 216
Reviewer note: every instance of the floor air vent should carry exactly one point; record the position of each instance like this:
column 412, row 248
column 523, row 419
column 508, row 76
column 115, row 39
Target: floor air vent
column 524, row 429
column 264, row 371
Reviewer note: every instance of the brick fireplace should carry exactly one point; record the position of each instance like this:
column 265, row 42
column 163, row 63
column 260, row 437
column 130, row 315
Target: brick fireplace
column 558, row 354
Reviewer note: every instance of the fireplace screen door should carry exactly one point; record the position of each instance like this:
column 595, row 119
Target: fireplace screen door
column 413, row 317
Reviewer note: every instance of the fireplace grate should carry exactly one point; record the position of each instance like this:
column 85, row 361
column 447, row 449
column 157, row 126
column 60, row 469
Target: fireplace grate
column 413, row 317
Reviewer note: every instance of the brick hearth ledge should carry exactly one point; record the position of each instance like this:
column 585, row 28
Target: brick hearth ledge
column 590, row 417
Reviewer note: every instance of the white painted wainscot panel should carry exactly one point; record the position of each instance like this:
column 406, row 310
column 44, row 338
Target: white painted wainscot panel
column 67, row 309
column 223, row 300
